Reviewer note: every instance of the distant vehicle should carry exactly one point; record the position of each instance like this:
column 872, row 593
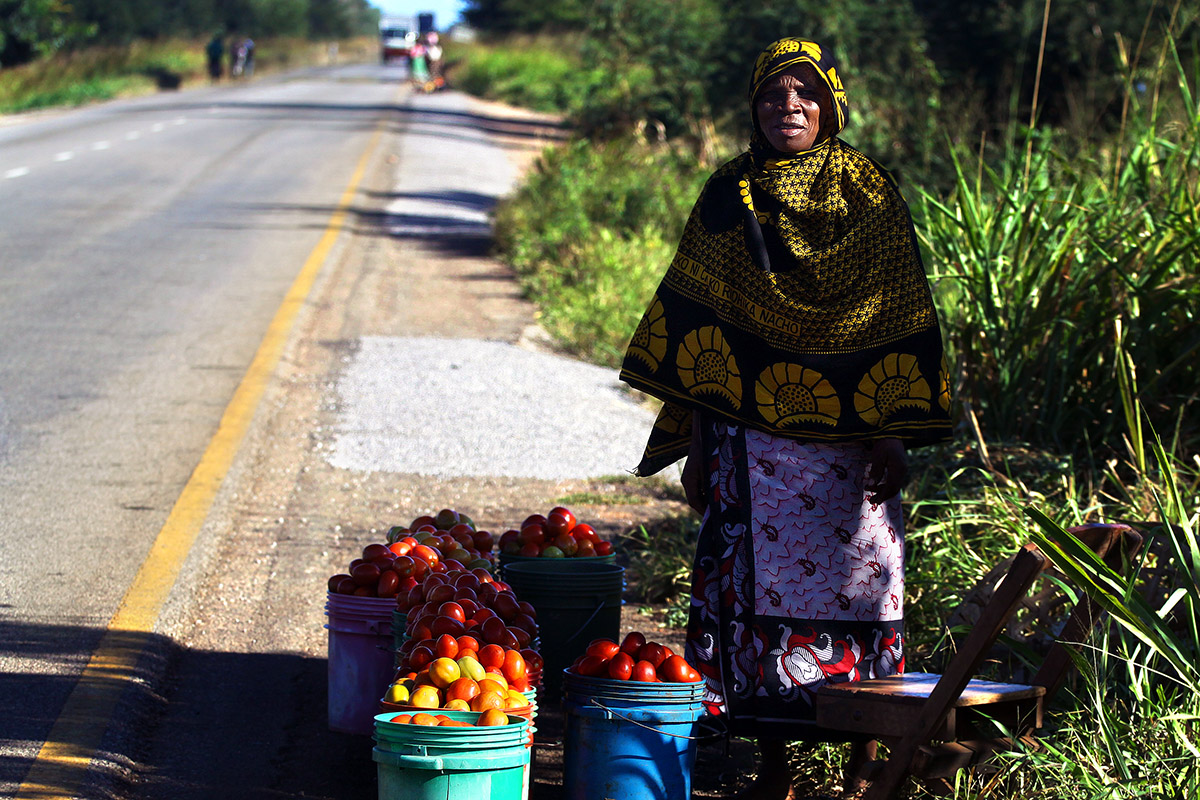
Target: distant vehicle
column 397, row 35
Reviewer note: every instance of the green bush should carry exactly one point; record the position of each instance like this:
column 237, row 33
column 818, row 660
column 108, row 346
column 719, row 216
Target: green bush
column 590, row 234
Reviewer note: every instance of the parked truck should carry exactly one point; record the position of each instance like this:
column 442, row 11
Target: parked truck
column 397, row 35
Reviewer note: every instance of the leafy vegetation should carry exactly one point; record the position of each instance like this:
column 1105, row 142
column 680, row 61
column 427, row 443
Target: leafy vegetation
column 32, row 29
column 101, row 73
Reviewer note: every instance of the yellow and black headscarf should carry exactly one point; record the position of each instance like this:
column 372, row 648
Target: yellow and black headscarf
column 797, row 302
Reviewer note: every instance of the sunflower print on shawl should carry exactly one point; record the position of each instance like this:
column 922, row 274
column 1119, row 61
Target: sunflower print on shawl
column 797, row 302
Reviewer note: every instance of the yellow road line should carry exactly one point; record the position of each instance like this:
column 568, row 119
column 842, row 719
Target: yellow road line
column 61, row 765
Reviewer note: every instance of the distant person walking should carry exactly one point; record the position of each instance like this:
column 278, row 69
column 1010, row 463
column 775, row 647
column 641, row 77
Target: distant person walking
column 215, row 50
column 248, row 65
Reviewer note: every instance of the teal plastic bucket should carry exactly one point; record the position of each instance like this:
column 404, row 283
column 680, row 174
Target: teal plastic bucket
column 417, row 762
column 572, row 609
column 360, row 660
column 643, row 752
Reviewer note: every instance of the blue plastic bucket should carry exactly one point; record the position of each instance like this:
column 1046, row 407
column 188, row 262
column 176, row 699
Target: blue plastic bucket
column 360, row 664
column 643, row 752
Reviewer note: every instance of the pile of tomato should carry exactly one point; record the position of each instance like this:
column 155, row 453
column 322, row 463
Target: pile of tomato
column 488, row 718
column 635, row 659
column 556, row 534
column 469, row 646
column 393, row 568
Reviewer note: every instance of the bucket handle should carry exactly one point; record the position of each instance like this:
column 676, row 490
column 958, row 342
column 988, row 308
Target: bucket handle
column 712, row 737
column 582, row 627
column 414, row 761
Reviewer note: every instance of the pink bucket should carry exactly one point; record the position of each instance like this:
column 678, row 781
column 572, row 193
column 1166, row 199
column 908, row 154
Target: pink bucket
column 360, row 659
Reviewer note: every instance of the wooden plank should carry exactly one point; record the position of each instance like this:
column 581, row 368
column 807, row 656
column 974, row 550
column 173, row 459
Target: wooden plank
column 915, row 687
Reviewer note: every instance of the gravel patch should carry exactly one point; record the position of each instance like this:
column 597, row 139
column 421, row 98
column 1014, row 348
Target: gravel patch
column 471, row 408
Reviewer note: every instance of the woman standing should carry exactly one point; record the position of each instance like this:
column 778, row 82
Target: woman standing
column 795, row 345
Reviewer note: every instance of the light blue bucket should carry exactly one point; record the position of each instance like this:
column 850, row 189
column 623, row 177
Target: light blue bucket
column 634, row 752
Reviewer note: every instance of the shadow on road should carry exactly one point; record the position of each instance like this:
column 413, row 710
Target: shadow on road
column 189, row 725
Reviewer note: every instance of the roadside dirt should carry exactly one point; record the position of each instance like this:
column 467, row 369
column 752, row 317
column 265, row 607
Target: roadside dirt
column 245, row 700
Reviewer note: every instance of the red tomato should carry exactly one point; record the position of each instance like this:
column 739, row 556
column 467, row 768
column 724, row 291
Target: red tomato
column 644, row 671
column 346, row 585
column 632, row 643
column 652, row 652
column 565, row 512
column 603, row 648
column 538, row 518
column 534, row 533
column 585, row 531
column 603, row 548
column 365, row 573
column 448, row 625
column 592, row 666
column 400, row 548
column 334, row 580
column 388, row 583
column 557, row 525
column 621, row 667
column 404, row 566
column 483, row 541
column 446, row 646
column 374, row 551
column 466, row 642
column 677, row 670
column 530, row 550
column 453, row 610
column 585, row 548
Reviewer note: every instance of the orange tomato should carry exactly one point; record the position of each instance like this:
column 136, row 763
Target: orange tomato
column 485, row 700
column 401, row 718
column 425, row 697
column 462, row 689
column 443, row 672
column 457, row 705
column 514, row 665
column 492, row 655
column 492, row 716
column 424, row 719
column 493, row 683
column 466, row 642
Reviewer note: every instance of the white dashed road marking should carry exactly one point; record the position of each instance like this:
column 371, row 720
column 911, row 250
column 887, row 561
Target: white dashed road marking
column 66, row 155
column 17, row 173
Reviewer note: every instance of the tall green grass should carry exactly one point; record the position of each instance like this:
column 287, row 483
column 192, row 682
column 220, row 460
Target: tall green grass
column 537, row 73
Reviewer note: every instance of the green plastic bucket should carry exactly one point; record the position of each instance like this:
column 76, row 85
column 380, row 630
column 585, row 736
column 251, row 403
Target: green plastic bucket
column 417, row 762
column 573, row 608
column 558, row 564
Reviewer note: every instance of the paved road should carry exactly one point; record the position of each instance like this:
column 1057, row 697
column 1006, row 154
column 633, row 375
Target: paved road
column 146, row 251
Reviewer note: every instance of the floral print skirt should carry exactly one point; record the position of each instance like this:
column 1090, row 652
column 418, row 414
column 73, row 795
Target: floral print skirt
column 798, row 580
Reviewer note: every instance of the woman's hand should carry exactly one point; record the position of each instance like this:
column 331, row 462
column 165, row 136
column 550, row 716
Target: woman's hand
column 888, row 470
column 695, row 477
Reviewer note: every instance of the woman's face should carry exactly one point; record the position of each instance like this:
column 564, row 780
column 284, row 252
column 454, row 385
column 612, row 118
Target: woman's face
column 789, row 109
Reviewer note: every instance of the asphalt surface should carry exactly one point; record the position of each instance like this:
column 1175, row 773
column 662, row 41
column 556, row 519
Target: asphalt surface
column 138, row 276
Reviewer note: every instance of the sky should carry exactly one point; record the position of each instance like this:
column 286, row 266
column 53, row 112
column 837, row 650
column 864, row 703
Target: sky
column 445, row 11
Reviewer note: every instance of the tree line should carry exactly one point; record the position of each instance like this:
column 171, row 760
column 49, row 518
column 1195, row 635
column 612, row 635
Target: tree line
column 680, row 62
column 31, row 29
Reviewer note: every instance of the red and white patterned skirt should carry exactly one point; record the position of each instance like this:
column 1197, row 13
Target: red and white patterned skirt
column 798, row 579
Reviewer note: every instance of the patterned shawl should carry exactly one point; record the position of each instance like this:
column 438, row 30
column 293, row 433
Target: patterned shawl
column 797, row 302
